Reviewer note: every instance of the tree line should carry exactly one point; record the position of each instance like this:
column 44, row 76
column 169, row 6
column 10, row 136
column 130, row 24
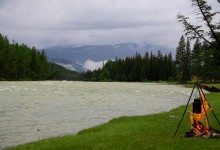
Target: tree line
column 199, row 63
column 204, row 60
column 137, row 68
column 20, row 62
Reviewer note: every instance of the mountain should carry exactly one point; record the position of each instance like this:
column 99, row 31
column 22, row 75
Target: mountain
column 86, row 57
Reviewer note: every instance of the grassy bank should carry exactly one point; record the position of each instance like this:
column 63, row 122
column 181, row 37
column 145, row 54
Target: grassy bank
column 137, row 133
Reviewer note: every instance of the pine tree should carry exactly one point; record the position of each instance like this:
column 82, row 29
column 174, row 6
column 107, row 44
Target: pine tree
column 196, row 60
column 146, row 67
column 161, row 66
column 43, row 73
column 209, row 68
column 35, row 64
column 210, row 34
column 182, row 62
column 170, row 65
column 187, row 59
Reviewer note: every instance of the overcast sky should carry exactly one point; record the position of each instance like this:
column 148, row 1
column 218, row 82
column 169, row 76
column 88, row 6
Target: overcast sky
column 46, row 23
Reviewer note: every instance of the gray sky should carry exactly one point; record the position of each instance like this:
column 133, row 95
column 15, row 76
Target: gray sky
column 46, row 23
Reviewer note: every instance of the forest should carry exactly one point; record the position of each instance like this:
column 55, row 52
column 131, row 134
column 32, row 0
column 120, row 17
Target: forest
column 201, row 63
column 198, row 64
column 19, row 62
column 136, row 68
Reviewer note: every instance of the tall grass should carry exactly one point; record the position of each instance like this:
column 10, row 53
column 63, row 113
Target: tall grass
column 137, row 133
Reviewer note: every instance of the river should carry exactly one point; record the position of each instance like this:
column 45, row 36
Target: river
column 31, row 111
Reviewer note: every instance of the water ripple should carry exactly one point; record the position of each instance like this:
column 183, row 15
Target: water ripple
column 30, row 111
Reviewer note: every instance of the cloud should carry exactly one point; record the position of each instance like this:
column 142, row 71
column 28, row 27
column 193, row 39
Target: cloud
column 84, row 14
column 45, row 23
column 67, row 66
column 92, row 65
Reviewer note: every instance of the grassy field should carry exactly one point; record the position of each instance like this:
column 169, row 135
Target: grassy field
column 137, row 133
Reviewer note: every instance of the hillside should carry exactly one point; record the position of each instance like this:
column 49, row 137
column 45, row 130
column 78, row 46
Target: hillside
column 19, row 62
column 60, row 73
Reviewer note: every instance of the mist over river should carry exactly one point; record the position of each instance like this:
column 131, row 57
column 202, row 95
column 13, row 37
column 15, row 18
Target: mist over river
column 30, row 111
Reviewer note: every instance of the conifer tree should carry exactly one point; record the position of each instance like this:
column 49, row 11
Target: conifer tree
column 205, row 16
column 182, row 60
column 196, row 60
column 188, row 61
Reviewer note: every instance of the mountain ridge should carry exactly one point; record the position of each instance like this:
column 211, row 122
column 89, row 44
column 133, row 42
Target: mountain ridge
column 75, row 58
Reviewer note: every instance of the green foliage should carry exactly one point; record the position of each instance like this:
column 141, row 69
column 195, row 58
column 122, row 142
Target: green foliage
column 203, row 62
column 182, row 60
column 19, row 62
column 205, row 58
column 134, row 69
column 58, row 72
column 199, row 63
column 208, row 30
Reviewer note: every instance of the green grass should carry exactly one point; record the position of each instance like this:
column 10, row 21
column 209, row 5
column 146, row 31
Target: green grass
column 136, row 133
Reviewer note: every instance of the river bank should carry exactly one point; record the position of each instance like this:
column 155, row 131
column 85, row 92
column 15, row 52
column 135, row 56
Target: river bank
column 137, row 132
column 31, row 111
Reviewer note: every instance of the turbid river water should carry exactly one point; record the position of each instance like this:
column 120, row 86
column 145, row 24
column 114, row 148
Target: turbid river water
column 30, row 111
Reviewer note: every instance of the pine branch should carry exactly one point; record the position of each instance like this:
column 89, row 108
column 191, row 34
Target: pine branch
column 190, row 29
column 207, row 16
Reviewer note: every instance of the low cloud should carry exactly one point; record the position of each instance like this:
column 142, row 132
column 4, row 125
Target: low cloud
column 67, row 66
column 46, row 23
column 92, row 65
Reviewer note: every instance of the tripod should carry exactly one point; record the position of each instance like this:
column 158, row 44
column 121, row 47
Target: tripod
column 196, row 85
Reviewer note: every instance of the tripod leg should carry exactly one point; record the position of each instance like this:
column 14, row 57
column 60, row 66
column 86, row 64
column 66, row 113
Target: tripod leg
column 184, row 112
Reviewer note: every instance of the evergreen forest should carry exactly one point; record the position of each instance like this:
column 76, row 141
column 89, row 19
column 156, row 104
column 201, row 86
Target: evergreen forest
column 197, row 64
column 19, row 62
column 137, row 68
column 201, row 63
